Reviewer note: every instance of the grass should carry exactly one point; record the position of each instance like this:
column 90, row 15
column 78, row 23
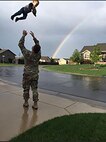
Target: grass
column 86, row 127
column 98, row 70
column 8, row 65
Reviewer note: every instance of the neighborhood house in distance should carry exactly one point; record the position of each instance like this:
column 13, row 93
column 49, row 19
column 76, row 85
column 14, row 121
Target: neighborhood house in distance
column 86, row 51
column 7, row 56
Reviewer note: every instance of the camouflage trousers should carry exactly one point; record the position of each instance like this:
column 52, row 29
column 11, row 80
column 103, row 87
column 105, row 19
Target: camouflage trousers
column 30, row 82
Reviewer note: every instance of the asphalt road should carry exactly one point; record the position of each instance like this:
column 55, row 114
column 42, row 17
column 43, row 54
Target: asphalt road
column 93, row 88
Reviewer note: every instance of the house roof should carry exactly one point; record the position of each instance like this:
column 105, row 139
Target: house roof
column 102, row 47
column 45, row 58
column 66, row 59
column 56, row 59
column 90, row 48
column 3, row 50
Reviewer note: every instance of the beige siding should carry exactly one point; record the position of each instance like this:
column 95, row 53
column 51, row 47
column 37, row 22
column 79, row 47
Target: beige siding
column 62, row 61
column 86, row 55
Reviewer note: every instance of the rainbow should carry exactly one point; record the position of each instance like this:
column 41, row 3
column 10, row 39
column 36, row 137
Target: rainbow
column 69, row 36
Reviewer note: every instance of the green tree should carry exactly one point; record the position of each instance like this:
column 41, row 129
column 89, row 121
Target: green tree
column 52, row 60
column 95, row 55
column 76, row 56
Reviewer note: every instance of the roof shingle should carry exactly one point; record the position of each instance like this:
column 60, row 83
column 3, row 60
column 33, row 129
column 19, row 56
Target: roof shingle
column 102, row 47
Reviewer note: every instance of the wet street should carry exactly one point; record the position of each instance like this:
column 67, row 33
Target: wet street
column 93, row 88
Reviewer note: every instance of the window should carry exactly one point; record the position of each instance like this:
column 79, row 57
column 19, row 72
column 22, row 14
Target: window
column 86, row 56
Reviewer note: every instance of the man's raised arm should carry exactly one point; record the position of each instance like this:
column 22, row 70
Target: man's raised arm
column 34, row 38
column 22, row 40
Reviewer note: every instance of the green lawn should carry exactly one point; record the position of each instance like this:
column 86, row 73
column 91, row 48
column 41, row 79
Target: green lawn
column 86, row 127
column 98, row 70
column 7, row 65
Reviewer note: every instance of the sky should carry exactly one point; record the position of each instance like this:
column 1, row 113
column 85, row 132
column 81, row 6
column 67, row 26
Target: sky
column 61, row 26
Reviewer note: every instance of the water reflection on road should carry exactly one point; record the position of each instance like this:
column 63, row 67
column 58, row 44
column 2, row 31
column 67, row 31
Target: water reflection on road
column 12, row 74
column 82, row 86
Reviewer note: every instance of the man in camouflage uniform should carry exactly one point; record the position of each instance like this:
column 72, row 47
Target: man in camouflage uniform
column 30, row 75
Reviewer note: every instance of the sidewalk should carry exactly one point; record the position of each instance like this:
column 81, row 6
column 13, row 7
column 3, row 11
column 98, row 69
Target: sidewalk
column 14, row 119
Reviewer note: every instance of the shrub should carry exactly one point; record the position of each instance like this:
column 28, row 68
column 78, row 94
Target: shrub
column 86, row 62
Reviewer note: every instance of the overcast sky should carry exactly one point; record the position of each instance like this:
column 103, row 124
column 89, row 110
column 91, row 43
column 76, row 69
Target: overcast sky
column 79, row 23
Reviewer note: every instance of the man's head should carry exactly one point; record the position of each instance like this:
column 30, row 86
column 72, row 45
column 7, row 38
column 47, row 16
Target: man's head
column 31, row 5
column 36, row 48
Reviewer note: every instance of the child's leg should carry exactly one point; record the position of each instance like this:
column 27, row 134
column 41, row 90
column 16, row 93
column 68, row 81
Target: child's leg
column 21, row 18
column 17, row 13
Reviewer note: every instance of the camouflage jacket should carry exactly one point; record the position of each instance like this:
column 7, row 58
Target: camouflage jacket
column 31, row 59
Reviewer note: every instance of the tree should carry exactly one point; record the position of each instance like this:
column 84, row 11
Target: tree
column 76, row 56
column 95, row 55
column 52, row 60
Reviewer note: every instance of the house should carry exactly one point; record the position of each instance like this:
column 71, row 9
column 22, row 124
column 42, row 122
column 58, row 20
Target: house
column 63, row 61
column 56, row 60
column 6, row 56
column 19, row 60
column 45, row 59
column 86, row 51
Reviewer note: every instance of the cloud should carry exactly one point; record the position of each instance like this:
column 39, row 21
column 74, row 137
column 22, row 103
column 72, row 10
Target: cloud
column 55, row 19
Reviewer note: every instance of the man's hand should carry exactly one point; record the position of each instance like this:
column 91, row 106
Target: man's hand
column 24, row 33
column 34, row 38
column 32, row 34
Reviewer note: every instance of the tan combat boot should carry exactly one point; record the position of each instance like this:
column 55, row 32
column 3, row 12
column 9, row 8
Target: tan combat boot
column 35, row 105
